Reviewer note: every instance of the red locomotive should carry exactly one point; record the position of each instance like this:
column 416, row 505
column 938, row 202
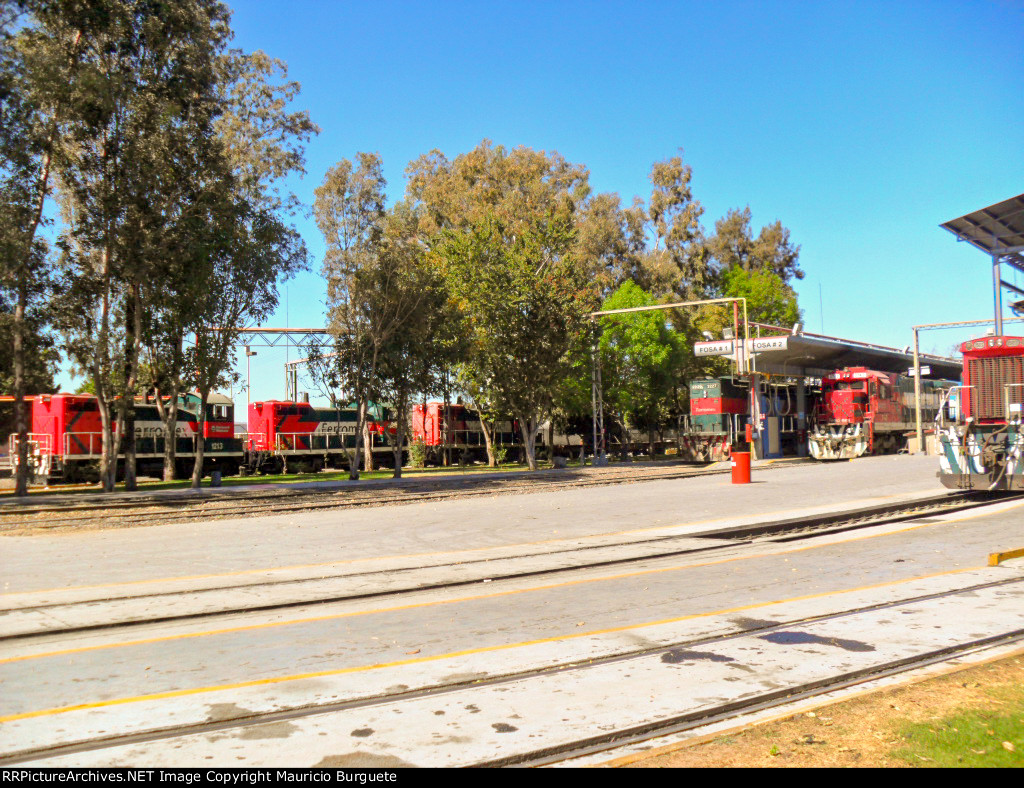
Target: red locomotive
column 292, row 436
column 862, row 411
column 460, row 433
column 981, row 441
column 66, row 437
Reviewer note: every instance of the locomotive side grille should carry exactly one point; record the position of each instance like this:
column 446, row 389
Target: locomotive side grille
column 990, row 377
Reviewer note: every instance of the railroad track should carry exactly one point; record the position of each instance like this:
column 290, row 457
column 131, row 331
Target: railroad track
column 321, row 588
column 225, row 503
column 572, row 673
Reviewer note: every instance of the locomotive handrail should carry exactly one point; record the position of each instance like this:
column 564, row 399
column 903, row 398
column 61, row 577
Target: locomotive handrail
column 39, row 439
column 940, row 420
column 1006, row 398
column 90, row 449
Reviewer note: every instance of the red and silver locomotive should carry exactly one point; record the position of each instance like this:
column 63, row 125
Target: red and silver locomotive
column 66, row 437
column 981, row 441
column 862, row 411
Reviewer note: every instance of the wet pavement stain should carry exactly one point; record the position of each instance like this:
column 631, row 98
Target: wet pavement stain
column 218, row 712
column 502, row 727
column 363, row 760
column 744, row 668
column 273, row 730
column 362, row 732
column 677, row 655
column 472, row 709
column 805, row 639
column 753, row 623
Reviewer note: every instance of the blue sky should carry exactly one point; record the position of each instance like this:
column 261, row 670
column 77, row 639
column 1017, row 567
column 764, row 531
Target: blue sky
column 861, row 126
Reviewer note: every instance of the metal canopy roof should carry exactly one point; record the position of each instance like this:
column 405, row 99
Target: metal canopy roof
column 813, row 355
column 997, row 230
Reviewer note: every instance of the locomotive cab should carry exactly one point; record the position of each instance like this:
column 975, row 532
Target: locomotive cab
column 981, row 439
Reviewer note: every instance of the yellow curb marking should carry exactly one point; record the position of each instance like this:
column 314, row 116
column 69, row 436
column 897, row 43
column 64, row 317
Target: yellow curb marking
column 994, row 559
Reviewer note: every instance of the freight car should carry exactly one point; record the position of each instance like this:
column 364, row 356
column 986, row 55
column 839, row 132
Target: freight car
column 66, row 438
column 981, row 440
column 861, row 411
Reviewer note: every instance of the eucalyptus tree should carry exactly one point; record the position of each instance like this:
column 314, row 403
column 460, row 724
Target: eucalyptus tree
column 36, row 70
column 733, row 245
column 242, row 217
column 251, row 251
column 141, row 70
column 516, row 212
column 525, row 300
column 405, row 286
column 349, row 208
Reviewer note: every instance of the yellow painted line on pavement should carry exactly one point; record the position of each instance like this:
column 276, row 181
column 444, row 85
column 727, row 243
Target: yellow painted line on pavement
column 466, row 652
column 460, row 600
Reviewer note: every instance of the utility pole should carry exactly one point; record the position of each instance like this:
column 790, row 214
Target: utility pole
column 249, row 353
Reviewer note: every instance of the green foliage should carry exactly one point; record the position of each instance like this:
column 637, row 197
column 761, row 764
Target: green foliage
column 525, row 301
column 769, row 299
column 734, row 246
column 971, row 739
column 418, row 453
column 641, row 355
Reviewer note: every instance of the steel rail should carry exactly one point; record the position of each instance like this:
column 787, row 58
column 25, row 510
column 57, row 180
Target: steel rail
column 789, row 530
column 588, row 745
column 340, row 498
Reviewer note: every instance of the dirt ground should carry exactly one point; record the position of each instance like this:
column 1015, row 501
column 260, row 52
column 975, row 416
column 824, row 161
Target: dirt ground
column 860, row 731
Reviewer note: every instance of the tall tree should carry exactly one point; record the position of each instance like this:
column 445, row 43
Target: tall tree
column 144, row 67
column 516, row 212
column 525, row 300
column 36, row 72
column 349, row 208
column 734, row 246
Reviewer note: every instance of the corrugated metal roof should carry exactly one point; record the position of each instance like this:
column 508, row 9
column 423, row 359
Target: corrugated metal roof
column 996, row 230
column 814, row 355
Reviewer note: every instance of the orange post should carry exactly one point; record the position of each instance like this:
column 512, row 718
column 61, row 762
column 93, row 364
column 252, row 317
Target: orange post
column 741, row 467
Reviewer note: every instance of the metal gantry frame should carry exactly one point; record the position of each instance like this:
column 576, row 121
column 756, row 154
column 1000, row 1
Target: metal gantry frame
column 597, row 398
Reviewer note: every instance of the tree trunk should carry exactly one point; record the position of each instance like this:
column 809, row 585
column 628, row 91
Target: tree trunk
column 367, row 445
column 169, row 417
column 529, row 430
column 20, row 416
column 488, row 431
column 133, row 329
column 354, row 457
column 197, row 468
column 401, row 419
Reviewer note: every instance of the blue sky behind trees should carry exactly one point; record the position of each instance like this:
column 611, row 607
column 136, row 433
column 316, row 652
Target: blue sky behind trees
column 860, row 125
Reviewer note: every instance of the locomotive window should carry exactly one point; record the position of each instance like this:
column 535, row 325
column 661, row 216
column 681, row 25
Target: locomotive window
column 874, row 389
column 850, row 386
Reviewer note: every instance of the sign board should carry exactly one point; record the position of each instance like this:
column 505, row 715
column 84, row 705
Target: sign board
column 760, row 344
column 924, row 371
column 720, row 348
